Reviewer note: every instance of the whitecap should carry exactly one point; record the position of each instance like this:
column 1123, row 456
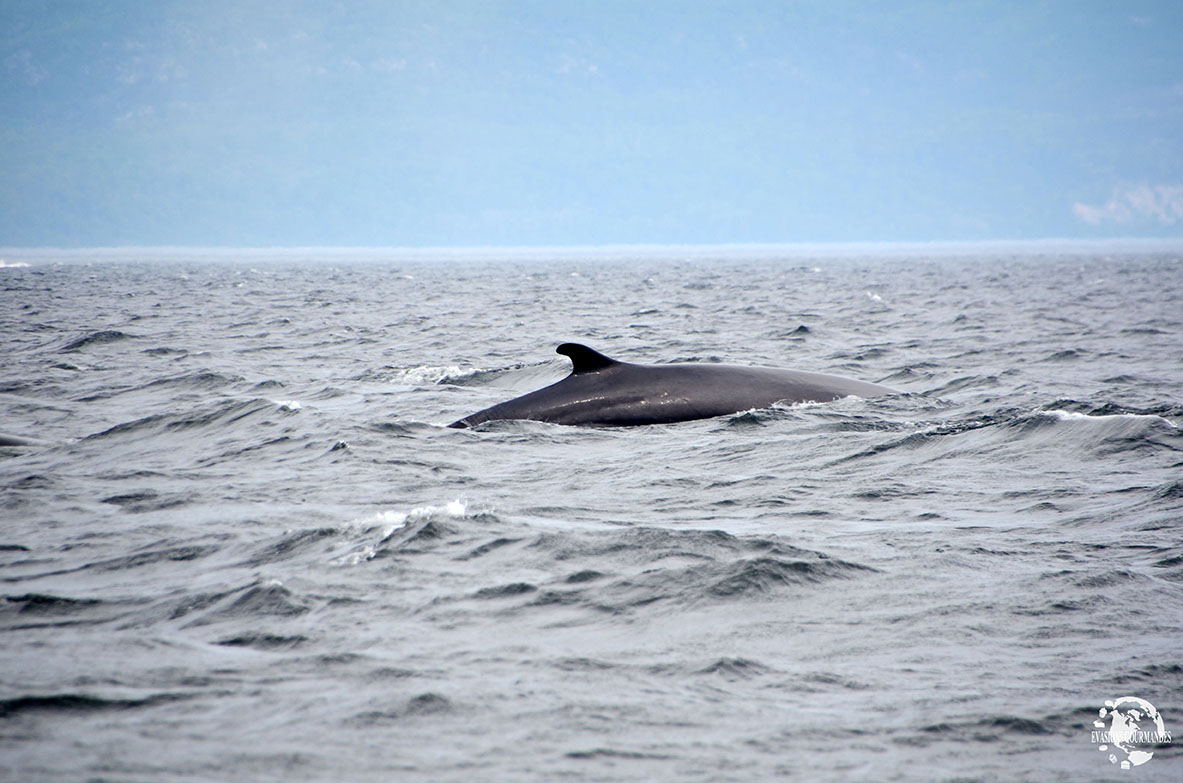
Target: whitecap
column 1061, row 415
column 427, row 375
column 391, row 522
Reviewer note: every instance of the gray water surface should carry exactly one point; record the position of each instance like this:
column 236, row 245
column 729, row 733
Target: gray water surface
column 247, row 547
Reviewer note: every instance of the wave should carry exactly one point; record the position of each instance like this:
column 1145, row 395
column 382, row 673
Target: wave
column 419, row 524
column 201, row 380
column 266, row 598
column 290, row 545
column 1107, row 408
column 1171, row 490
column 165, row 552
column 250, row 603
column 990, row 729
column 1100, row 433
column 42, row 604
column 264, row 641
column 81, row 703
column 219, row 414
column 205, row 380
column 44, row 610
column 428, row 376
column 155, row 555
column 148, row 500
column 96, row 338
column 735, row 668
column 423, row 704
column 517, row 376
column 615, row 571
column 1097, row 431
column 615, row 754
column 450, row 557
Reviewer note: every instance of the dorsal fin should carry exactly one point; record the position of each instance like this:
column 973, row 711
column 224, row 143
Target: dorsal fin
column 584, row 358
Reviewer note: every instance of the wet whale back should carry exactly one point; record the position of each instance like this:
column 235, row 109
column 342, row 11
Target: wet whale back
column 601, row 391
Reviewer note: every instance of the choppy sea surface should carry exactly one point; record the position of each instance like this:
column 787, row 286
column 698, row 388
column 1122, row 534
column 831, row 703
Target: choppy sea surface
column 244, row 545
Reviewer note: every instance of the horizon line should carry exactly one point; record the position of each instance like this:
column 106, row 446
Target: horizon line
column 887, row 247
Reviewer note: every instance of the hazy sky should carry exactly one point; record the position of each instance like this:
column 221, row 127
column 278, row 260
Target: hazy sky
column 587, row 122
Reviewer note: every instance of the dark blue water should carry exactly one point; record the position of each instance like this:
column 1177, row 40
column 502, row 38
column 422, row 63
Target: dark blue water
column 244, row 546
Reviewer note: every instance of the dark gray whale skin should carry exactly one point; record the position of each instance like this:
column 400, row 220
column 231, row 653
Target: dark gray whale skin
column 15, row 441
column 602, row 392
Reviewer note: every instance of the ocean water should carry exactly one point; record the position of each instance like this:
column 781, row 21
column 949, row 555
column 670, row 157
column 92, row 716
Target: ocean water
column 244, row 545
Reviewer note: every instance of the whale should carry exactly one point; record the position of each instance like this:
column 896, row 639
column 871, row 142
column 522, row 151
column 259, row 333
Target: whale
column 15, row 441
column 605, row 392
